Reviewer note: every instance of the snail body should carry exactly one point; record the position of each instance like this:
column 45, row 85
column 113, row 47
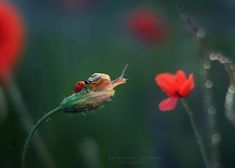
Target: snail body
column 101, row 81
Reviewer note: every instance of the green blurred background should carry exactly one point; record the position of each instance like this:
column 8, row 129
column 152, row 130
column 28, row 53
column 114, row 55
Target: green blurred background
column 66, row 44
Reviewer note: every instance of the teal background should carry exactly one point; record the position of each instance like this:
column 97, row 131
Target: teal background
column 65, row 45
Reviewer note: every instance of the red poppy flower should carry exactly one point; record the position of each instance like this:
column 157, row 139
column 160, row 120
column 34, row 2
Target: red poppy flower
column 11, row 38
column 147, row 26
column 175, row 86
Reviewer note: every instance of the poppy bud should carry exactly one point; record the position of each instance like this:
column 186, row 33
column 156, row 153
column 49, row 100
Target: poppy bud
column 84, row 102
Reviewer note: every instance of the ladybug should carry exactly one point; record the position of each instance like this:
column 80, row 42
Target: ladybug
column 79, row 86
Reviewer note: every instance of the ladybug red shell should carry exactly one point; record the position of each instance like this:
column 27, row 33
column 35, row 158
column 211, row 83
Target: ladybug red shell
column 79, row 86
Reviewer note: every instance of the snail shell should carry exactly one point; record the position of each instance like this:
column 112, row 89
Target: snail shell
column 99, row 81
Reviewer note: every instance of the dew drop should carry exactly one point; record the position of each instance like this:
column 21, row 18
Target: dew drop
column 207, row 65
column 201, row 34
column 208, row 84
column 231, row 89
column 211, row 110
column 212, row 56
column 229, row 98
column 215, row 138
column 223, row 60
column 218, row 56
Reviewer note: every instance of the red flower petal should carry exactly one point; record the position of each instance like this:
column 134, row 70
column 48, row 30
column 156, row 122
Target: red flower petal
column 147, row 26
column 187, row 87
column 11, row 38
column 180, row 77
column 168, row 104
column 166, row 82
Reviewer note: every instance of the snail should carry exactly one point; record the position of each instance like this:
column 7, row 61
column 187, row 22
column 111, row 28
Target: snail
column 101, row 81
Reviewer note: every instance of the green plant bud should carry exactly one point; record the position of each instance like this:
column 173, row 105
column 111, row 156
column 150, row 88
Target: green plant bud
column 86, row 101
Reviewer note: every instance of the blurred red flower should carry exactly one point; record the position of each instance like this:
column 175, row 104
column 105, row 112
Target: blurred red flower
column 11, row 38
column 175, row 86
column 147, row 26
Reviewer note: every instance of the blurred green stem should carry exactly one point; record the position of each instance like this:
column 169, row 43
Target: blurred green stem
column 210, row 109
column 196, row 133
column 3, row 107
column 229, row 98
column 33, row 130
column 199, row 35
column 27, row 122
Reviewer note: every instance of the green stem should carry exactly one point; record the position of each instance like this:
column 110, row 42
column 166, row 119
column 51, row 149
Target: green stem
column 26, row 121
column 196, row 133
column 210, row 109
column 33, row 130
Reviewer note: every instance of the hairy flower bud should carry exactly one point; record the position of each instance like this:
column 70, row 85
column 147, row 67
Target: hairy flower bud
column 84, row 102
